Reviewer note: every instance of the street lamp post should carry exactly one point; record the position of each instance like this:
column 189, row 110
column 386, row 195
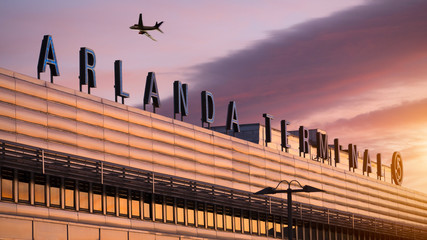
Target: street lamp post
column 289, row 191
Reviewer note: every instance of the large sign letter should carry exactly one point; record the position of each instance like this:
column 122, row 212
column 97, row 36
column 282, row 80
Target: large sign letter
column 232, row 119
column 303, row 140
column 87, row 68
column 367, row 167
column 337, row 151
column 268, row 118
column 353, row 156
column 118, row 83
column 151, row 91
column 379, row 166
column 397, row 168
column 47, row 56
column 322, row 147
column 208, row 108
column 180, row 99
column 284, row 134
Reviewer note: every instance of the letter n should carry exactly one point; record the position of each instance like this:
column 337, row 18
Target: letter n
column 180, row 99
column 352, row 157
column 47, row 56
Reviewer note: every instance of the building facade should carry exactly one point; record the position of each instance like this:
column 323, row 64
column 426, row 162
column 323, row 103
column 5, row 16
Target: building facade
column 76, row 166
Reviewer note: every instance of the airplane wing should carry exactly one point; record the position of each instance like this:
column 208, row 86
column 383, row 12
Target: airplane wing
column 148, row 35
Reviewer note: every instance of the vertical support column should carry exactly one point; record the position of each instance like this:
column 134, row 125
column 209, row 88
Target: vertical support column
column 15, row 186
column 62, row 194
column 47, row 191
column 116, row 199
column 76, row 196
column 32, row 193
column 104, row 201
column 129, row 203
column 290, row 223
column 90, row 196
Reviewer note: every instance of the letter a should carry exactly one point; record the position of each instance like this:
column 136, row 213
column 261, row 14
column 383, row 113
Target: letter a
column 232, row 119
column 47, row 56
column 151, row 91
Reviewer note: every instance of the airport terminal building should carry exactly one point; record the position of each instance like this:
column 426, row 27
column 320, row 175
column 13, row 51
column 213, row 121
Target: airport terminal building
column 76, row 166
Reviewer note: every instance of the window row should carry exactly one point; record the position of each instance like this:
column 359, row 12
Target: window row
column 52, row 191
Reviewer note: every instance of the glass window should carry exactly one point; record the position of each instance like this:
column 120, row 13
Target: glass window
column 339, row 234
column 246, row 222
column 237, row 220
column 228, row 219
column 39, row 189
column 270, row 226
column 136, row 204
column 307, row 230
column 220, row 217
column 55, row 190
column 262, row 224
column 23, row 186
column 97, row 197
column 210, row 215
column 6, row 184
column 254, row 217
column 190, row 213
column 110, row 193
column 320, row 231
column 170, row 216
column 70, row 186
column 326, row 232
column 277, row 227
column 158, row 201
column 313, row 230
column 300, row 230
column 180, row 207
column 200, row 214
column 84, row 195
column 123, row 202
column 147, row 205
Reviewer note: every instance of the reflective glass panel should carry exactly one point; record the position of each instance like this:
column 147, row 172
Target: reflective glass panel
column 147, row 206
column 158, row 201
column 270, row 226
column 7, row 183
column 254, row 224
column 97, row 197
column 69, row 193
column 190, row 213
column 84, row 195
column 220, row 217
column 228, row 219
column 110, row 193
column 136, row 205
column 55, row 187
column 262, row 224
column 237, row 220
column 39, row 189
column 246, row 223
column 123, row 202
column 277, row 227
column 23, row 186
column 180, row 205
column 200, row 214
column 210, row 215
column 169, row 209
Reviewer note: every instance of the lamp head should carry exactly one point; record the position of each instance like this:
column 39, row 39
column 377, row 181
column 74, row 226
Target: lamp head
column 309, row 189
column 267, row 190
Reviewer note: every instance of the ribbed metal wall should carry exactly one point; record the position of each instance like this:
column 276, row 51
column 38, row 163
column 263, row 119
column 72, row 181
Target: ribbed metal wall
column 50, row 116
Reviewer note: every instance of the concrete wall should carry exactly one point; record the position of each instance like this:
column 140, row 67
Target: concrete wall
column 50, row 116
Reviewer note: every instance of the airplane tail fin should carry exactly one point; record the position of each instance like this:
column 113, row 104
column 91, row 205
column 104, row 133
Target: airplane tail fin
column 158, row 26
column 140, row 20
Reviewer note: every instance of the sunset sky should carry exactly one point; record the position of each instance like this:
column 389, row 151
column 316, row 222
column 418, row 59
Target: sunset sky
column 356, row 69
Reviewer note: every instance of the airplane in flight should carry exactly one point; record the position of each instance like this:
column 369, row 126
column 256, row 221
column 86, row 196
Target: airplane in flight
column 143, row 29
